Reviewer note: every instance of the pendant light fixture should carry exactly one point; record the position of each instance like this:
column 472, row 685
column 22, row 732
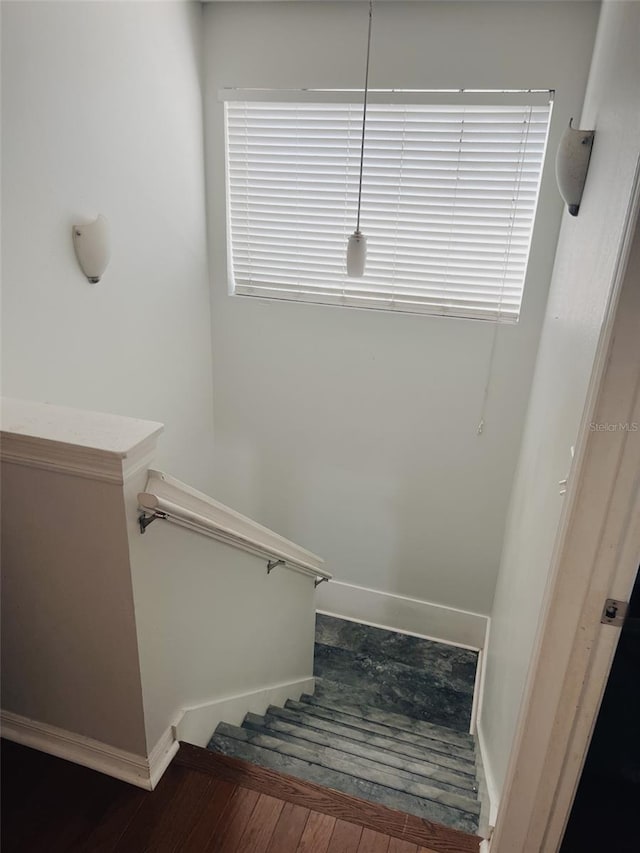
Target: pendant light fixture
column 357, row 246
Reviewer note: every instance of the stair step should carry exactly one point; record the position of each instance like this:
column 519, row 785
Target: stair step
column 388, row 718
column 288, row 758
column 372, row 816
column 379, row 736
column 403, row 735
column 394, row 750
column 333, row 760
column 376, row 759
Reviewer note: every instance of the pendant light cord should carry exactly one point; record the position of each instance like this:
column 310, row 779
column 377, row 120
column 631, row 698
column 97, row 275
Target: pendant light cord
column 487, row 384
column 364, row 114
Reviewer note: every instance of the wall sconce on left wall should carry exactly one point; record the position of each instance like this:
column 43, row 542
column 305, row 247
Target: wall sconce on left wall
column 91, row 242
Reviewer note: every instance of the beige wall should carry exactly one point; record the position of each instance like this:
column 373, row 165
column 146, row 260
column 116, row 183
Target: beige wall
column 69, row 646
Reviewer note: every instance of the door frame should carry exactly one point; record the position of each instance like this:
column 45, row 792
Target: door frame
column 596, row 556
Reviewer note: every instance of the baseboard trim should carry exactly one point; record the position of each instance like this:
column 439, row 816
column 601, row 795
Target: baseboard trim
column 161, row 756
column 127, row 766
column 481, row 677
column 195, row 725
column 403, row 614
column 487, row 778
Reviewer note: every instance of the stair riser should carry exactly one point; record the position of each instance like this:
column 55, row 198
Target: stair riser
column 428, row 810
column 403, row 689
column 411, row 675
column 305, row 738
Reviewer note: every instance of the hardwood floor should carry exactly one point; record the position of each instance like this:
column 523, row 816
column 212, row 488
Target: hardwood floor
column 205, row 803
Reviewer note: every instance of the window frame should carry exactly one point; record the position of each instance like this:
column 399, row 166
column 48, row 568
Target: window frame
column 355, row 299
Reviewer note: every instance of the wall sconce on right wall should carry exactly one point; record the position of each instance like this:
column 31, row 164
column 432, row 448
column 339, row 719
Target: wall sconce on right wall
column 91, row 242
column 572, row 163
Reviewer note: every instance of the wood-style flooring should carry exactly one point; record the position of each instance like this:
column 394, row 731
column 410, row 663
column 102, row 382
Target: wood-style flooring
column 204, row 803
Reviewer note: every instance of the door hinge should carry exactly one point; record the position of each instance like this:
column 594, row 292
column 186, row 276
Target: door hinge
column 614, row 612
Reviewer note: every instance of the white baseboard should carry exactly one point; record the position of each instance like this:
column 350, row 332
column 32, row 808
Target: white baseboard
column 161, row 755
column 127, row 766
column 400, row 613
column 196, row 725
column 481, row 677
column 486, row 779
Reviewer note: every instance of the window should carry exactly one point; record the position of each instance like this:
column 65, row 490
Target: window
column 450, row 189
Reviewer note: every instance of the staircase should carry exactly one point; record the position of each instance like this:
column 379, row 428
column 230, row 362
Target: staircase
column 368, row 749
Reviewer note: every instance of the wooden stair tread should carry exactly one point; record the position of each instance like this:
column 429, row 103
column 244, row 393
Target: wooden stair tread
column 414, row 830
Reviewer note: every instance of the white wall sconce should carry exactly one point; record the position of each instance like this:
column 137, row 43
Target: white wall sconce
column 91, row 242
column 572, row 163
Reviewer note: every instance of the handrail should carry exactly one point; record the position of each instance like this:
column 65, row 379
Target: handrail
column 169, row 499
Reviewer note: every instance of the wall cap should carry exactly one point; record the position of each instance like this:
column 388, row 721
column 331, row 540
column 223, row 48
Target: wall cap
column 94, row 445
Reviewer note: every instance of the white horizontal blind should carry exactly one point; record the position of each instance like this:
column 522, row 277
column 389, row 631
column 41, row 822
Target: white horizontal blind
column 449, row 198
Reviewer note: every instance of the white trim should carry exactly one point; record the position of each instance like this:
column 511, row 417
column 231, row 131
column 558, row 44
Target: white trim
column 475, row 704
column 490, row 792
column 403, row 614
column 602, row 656
column 77, row 461
column 72, row 441
column 161, row 756
column 127, row 766
column 481, row 676
column 182, row 505
column 487, row 97
column 197, row 724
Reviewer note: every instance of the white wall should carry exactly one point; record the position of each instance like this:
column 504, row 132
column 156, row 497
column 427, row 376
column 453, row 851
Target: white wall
column 580, row 291
column 102, row 114
column 211, row 623
column 354, row 432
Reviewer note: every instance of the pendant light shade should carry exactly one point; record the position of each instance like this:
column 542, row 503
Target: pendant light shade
column 356, row 254
column 357, row 245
